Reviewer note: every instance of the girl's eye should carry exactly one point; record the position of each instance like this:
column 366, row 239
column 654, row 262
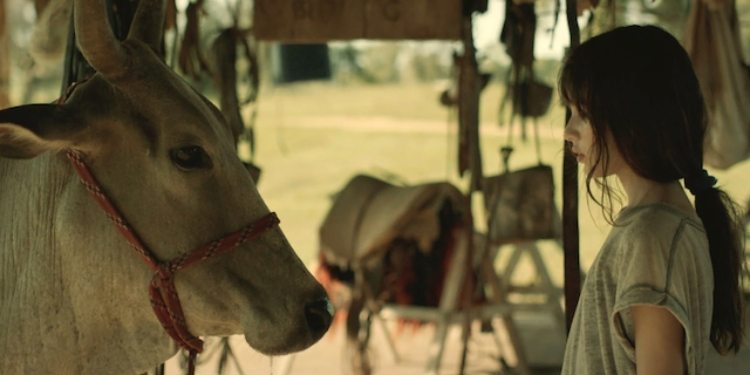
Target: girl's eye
column 190, row 158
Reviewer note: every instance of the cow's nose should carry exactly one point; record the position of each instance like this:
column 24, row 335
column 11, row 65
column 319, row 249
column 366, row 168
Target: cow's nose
column 319, row 315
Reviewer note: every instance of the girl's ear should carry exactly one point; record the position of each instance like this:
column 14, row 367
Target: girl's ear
column 27, row 131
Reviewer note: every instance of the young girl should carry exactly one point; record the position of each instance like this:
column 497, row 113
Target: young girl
column 666, row 283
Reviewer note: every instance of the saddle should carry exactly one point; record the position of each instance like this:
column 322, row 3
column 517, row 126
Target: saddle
column 369, row 214
column 398, row 239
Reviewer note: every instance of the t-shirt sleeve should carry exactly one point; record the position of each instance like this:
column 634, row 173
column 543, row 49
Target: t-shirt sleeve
column 651, row 273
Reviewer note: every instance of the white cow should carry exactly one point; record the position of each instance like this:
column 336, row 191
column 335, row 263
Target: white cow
column 73, row 293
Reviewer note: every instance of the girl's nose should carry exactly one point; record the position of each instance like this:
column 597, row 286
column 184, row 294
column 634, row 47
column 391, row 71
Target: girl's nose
column 568, row 133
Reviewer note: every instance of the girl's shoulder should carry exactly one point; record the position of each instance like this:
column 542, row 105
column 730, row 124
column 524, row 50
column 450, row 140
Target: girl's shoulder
column 656, row 217
column 656, row 226
column 646, row 238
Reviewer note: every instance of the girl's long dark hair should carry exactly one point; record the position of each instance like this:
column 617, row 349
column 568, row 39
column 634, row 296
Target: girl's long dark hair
column 637, row 83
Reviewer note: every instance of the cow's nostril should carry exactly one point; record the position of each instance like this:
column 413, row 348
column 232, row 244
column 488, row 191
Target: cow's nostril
column 319, row 315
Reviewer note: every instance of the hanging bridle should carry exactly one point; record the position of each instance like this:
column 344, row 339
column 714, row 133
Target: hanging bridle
column 162, row 291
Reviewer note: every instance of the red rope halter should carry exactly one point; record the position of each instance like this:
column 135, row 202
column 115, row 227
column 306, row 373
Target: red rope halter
column 162, row 291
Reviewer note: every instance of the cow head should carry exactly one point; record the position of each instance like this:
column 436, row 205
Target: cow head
column 166, row 157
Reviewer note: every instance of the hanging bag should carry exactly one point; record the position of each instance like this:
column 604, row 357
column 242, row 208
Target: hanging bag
column 712, row 39
column 521, row 205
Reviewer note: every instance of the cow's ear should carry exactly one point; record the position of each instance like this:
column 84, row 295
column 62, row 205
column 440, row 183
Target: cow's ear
column 28, row 130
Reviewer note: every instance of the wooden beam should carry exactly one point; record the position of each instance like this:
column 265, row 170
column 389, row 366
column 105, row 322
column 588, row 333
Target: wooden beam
column 309, row 21
column 570, row 198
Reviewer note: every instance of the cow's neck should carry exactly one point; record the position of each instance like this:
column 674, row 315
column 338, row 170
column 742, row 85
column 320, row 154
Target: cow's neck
column 71, row 291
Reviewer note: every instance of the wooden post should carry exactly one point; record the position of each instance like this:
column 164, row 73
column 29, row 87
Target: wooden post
column 4, row 59
column 469, row 152
column 570, row 199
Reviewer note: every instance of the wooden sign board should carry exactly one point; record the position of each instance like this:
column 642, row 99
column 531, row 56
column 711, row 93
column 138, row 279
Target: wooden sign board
column 301, row 21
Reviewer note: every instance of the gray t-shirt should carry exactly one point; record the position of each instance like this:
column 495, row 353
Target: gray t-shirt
column 654, row 255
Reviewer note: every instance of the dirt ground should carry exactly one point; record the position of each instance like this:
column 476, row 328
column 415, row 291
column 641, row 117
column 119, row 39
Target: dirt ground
column 543, row 342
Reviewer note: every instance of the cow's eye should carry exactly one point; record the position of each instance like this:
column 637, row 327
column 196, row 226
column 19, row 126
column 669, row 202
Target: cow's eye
column 190, row 158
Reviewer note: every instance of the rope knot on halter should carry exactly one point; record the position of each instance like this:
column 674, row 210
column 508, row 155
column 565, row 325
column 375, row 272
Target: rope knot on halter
column 164, row 274
column 162, row 291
